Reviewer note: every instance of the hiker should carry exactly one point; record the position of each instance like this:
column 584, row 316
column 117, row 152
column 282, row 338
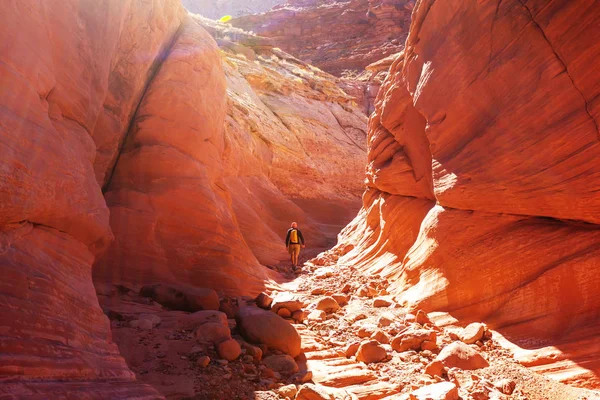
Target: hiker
column 294, row 241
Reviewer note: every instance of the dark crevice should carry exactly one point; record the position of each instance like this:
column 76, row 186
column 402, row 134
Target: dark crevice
column 153, row 72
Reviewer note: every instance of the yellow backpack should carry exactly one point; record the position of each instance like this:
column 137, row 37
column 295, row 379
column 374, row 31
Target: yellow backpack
column 294, row 236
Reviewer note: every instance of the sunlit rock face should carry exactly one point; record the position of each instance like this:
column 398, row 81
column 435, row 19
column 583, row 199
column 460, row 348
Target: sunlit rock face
column 60, row 64
column 483, row 190
column 335, row 36
column 132, row 146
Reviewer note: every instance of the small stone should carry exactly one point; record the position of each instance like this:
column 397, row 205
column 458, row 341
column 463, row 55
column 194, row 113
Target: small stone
column 154, row 319
column 347, row 287
column 264, row 301
column 473, row 333
column 222, row 362
column 303, row 376
column 284, row 313
column 506, row 386
column 311, row 391
column 460, row 355
column 435, row 368
column 203, row 361
column 317, row 316
column 412, row 339
column 212, row 332
column 366, row 331
column 422, row 318
column 229, row 350
column 299, row 316
column 317, row 291
column 383, row 322
column 287, row 391
column 371, row 352
column 381, row 302
column 328, row 304
column 381, row 337
column 341, row 298
column 281, row 363
column 351, row 349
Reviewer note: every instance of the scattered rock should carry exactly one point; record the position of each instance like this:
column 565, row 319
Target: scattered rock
column 422, row 318
column 289, row 391
column 328, row 304
column 381, row 302
column 253, row 351
column 311, row 391
column 366, row 291
column 506, row 386
column 303, row 377
column 317, row 291
column 412, row 339
column 461, row 355
column 472, row 333
column 192, row 321
column 427, row 345
column 381, row 337
column 182, row 298
column 383, row 322
column 341, row 299
column 212, row 332
column 317, row 316
column 229, row 350
column 299, row 316
column 351, row 349
column 437, row 391
column 435, row 368
column 260, row 326
column 284, row 313
column 263, row 300
column 203, row 361
column 287, row 300
column 154, row 319
column 283, row 364
column 371, row 352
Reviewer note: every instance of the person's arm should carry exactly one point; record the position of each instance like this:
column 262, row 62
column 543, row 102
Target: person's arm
column 301, row 237
column 287, row 239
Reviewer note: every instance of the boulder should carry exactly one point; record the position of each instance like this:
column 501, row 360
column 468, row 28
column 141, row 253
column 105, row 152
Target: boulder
column 212, row 332
column 229, row 350
column 263, row 300
column 182, row 298
column 154, row 319
column 437, row 391
column 311, row 391
column 371, row 352
column 472, row 333
column 462, row 356
column 192, row 321
column 412, row 339
column 287, row 300
column 260, row 326
column 327, row 304
column 281, row 363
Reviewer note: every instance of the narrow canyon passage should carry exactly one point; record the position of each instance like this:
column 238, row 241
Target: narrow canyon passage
column 438, row 156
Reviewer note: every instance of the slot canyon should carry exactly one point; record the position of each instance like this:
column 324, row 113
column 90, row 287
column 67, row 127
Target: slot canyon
column 439, row 157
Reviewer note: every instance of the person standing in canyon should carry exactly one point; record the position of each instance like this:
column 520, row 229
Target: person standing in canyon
column 294, row 241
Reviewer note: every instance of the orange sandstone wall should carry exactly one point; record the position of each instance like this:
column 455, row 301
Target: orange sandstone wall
column 484, row 192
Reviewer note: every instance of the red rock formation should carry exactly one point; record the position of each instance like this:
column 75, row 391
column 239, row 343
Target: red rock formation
column 216, row 9
column 491, row 113
column 335, row 35
column 56, row 69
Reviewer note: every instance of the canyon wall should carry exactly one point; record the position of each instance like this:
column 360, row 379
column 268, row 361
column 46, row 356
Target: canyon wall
column 132, row 149
column 483, row 196
column 335, row 36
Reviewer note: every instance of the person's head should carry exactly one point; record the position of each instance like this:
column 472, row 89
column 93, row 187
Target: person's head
column 294, row 225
